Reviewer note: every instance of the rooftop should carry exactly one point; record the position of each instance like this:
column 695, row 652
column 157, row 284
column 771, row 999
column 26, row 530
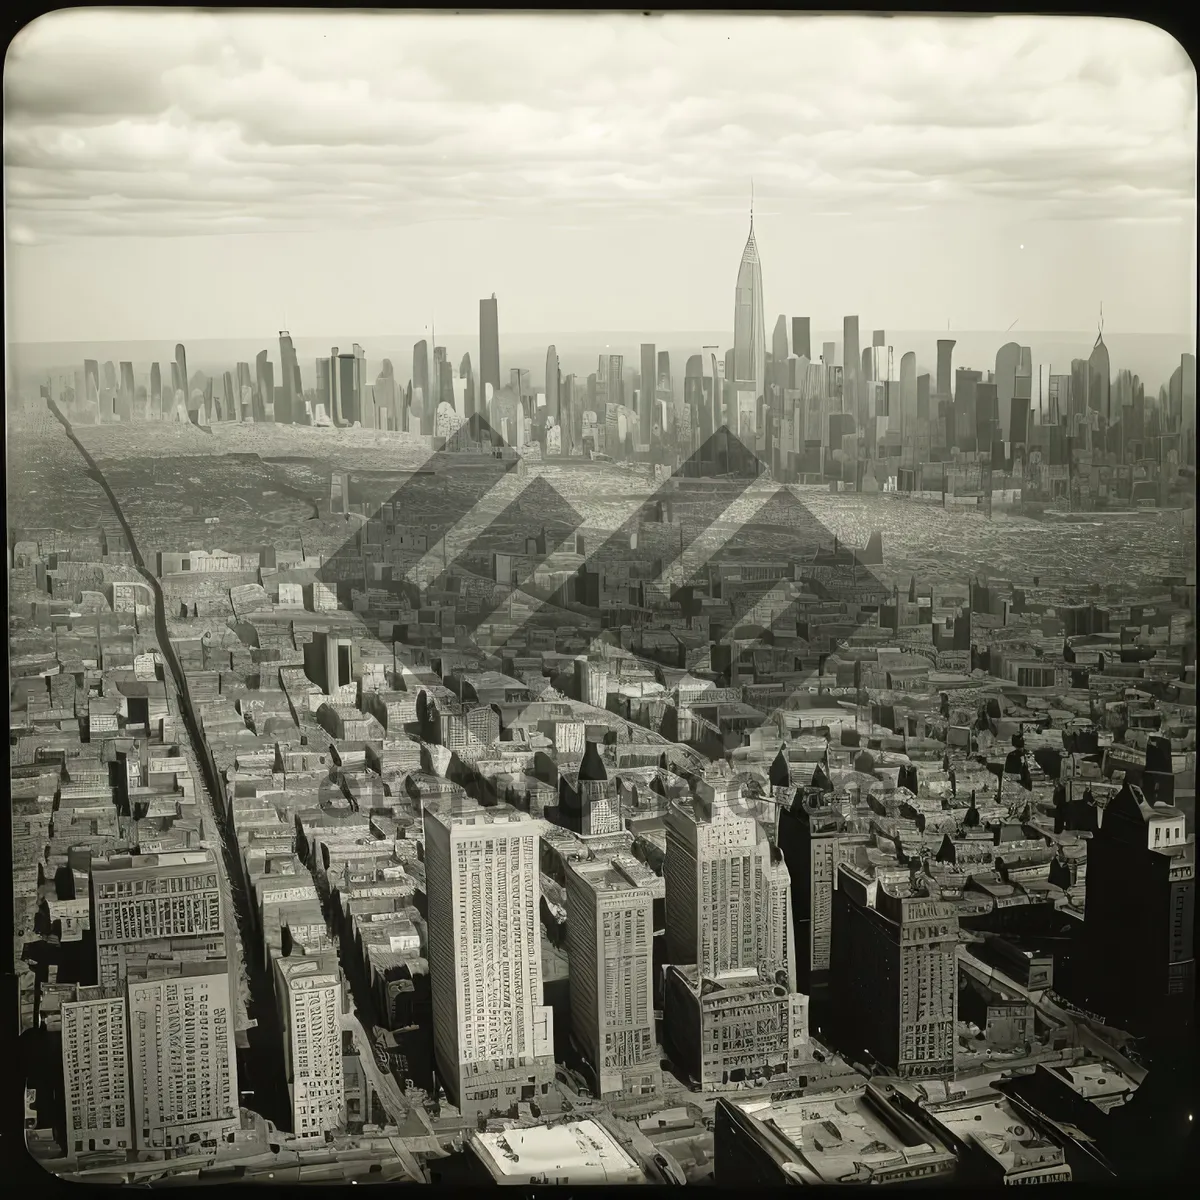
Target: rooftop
column 581, row 1152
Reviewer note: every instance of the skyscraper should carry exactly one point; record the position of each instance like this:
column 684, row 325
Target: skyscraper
column 749, row 330
column 727, row 902
column 646, row 391
column 801, row 338
column 95, row 1059
column 420, row 383
column 290, row 411
column 156, row 391
column 493, row 1037
column 945, row 356
column 610, row 926
column 308, row 989
column 894, row 974
column 851, row 366
column 146, row 905
column 489, row 347
column 182, row 1058
column 466, row 372
column 265, row 377
column 1099, row 379
column 553, row 401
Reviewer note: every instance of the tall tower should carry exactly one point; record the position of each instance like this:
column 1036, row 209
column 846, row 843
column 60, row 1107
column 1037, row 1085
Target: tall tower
column 646, row 391
column 727, row 902
column 749, row 330
column 489, row 347
column 610, row 924
column 493, row 1038
column 553, row 398
column 309, row 992
column 292, row 396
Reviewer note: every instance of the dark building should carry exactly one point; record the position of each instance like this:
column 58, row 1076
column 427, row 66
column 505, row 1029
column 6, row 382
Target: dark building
column 945, row 355
column 420, row 384
column 292, row 408
column 265, row 393
column 965, row 432
column 489, row 349
column 648, row 385
column 466, row 372
column 893, row 975
column 922, row 397
column 181, row 362
column 1139, row 915
column 801, row 338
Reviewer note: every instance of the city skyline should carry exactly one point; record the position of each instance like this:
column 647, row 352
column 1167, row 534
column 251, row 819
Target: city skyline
column 1072, row 153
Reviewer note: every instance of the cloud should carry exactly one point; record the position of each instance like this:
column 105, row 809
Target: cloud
column 165, row 122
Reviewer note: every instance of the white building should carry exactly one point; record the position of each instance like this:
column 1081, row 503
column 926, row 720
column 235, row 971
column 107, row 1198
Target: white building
column 309, row 991
column 727, row 904
column 184, row 1069
column 493, row 1037
column 610, row 930
column 95, row 1058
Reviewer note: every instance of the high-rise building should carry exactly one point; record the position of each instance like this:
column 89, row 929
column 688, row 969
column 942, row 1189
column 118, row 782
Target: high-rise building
column 182, row 1058
column 264, row 374
column 749, row 328
column 801, row 338
column 493, row 1037
column 553, row 399
column 1008, row 359
column 309, row 992
column 852, row 393
column 945, row 359
column 894, row 973
column 1140, row 958
column 145, row 906
column 291, row 411
column 1099, row 379
column 489, row 347
column 181, row 363
column 647, row 386
column 420, row 383
column 156, row 404
column 95, row 1060
column 727, row 905
column 814, row 842
column 610, row 927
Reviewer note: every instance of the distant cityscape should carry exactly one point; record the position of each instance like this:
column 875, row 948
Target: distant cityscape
column 777, row 773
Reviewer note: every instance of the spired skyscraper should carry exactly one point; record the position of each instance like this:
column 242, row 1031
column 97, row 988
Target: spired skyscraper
column 749, row 330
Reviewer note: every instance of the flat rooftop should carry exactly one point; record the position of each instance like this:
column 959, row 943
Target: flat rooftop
column 579, row 1152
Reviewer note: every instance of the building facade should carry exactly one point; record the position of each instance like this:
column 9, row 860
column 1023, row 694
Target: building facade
column 183, row 1064
column 309, row 993
column 95, row 1059
column 610, row 930
column 493, row 1037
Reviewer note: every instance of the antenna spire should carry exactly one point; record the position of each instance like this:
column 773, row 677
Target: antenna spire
column 752, row 201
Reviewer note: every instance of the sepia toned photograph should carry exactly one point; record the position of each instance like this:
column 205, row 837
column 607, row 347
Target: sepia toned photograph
column 494, row 701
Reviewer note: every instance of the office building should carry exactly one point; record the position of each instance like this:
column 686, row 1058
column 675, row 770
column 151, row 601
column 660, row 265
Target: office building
column 749, row 323
column 149, row 907
column 853, row 394
column 489, row 348
column 647, row 387
column 291, row 411
column 95, row 1062
column 493, row 1037
column 264, row 401
column 801, row 337
column 1099, row 376
column 814, row 841
column 1140, row 958
column 182, row 1060
column 727, row 904
column 893, row 973
column 865, row 1135
column 610, row 927
column 945, row 359
column 591, row 807
column 422, row 420
column 553, row 378
column 722, row 1031
column 308, row 990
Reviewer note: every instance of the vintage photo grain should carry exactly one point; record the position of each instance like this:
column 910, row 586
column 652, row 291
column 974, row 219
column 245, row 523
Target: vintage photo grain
column 601, row 598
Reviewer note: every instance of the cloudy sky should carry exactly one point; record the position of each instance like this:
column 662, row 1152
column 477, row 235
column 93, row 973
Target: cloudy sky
column 173, row 174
